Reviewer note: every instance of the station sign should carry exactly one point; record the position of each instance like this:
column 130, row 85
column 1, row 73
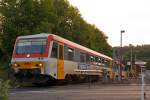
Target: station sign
column 140, row 62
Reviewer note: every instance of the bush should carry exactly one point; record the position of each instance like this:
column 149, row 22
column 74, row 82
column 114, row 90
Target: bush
column 4, row 85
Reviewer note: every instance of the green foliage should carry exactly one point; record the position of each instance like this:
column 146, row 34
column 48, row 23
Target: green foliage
column 139, row 53
column 1, row 53
column 4, row 85
column 24, row 17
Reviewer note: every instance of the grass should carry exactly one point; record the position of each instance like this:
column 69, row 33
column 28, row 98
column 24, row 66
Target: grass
column 4, row 74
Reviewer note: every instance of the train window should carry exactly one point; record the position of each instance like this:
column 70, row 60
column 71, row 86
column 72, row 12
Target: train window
column 87, row 58
column 107, row 63
column 96, row 60
column 99, row 61
column 103, row 61
column 54, row 50
column 65, row 52
column 76, row 55
column 92, row 58
column 70, row 54
column 82, row 57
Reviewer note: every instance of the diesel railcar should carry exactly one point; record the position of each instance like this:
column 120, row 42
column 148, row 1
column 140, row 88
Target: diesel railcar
column 48, row 57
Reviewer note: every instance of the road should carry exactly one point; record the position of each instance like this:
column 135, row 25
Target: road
column 80, row 92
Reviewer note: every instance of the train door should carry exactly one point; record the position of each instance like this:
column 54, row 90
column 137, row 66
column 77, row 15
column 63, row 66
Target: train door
column 60, row 62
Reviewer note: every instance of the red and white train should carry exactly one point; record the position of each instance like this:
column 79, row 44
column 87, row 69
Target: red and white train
column 48, row 57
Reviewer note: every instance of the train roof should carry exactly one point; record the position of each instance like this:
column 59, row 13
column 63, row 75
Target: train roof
column 75, row 45
column 65, row 41
column 33, row 36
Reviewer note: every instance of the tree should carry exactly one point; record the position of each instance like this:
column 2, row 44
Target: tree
column 23, row 17
column 139, row 53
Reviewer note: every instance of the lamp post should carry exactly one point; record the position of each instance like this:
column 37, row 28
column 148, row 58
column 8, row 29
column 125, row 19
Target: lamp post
column 121, row 32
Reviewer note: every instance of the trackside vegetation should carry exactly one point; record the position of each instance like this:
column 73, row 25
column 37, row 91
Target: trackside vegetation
column 4, row 85
column 139, row 53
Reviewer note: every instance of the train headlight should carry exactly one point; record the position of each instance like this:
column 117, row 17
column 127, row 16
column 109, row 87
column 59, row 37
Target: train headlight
column 15, row 65
column 40, row 64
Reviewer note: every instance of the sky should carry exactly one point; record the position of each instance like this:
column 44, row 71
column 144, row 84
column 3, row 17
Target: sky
column 112, row 16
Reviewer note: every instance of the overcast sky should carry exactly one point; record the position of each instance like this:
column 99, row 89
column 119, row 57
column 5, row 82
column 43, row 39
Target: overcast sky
column 111, row 16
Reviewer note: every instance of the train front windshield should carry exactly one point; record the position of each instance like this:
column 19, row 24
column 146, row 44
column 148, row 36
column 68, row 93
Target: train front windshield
column 31, row 46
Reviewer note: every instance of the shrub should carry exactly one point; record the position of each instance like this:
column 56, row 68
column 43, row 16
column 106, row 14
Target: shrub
column 4, row 85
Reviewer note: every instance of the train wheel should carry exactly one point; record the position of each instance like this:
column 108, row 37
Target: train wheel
column 51, row 82
column 68, row 78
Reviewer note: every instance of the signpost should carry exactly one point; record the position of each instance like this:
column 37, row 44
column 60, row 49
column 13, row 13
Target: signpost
column 140, row 63
column 143, row 68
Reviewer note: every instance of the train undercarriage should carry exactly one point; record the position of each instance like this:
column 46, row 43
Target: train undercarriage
column 34, row 77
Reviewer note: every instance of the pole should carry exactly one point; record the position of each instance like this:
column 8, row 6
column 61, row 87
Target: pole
column 131, row 60
column 122, row 31
column 135, row 58
column 121, row 40
column 142, row 87
column 143, row 94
